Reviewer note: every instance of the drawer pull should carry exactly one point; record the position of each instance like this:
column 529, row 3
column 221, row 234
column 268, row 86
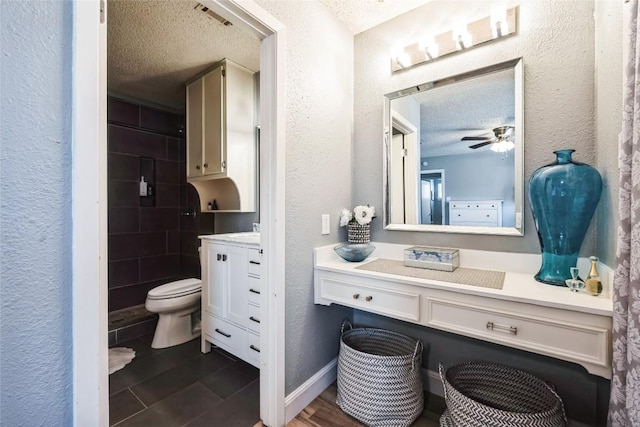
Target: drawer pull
column 219, row 257
column 369, row 298
column 254, row 262
column 222, row 333
column 254, row 319
column 224, row 257
column 254, row 291
column 356, row 296
column 254, row 348
column 502, row 328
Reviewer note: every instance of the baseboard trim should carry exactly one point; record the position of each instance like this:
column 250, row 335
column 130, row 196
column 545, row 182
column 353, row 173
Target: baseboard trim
column 297, row 400
column 432, row 382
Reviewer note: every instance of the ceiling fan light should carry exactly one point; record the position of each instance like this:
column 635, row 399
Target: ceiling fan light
column 503, row 146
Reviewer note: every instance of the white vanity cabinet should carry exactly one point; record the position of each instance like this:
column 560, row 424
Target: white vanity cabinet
column 524, row 314
column 230, row 317
column 481, row 213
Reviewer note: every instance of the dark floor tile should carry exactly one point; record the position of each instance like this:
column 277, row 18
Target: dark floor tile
column 142, row 348
column 137, row 371
column 122, row 405
column 163, row 385
column 183, row 352
column 240, row 410
column 229, row 380
column 205, row 364
column 177, row 409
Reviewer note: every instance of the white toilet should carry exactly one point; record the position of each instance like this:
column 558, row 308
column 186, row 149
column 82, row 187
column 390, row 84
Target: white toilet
column 176, row 303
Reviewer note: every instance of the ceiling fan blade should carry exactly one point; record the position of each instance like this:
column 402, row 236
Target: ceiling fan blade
column 482, row 144
column 476, row 138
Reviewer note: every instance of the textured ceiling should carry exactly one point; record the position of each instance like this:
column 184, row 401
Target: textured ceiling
column 360, row 15
column 154, row 47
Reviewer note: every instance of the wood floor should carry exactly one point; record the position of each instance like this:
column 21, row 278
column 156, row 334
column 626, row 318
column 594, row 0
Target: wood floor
column 323, row 412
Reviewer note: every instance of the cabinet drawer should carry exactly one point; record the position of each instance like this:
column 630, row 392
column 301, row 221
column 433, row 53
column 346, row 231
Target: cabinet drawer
column 253, row 349
column 254, row 289
column 566, row 340
column 474, row 205
column 254, row 259
column 224, row 334
column 402, row 305
column 253, row 318
column 474, row 215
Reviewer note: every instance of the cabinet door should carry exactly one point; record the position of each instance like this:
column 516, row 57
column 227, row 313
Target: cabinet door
column 236, row 298
column 194, row 129
column 213, row 147
column 214, row 276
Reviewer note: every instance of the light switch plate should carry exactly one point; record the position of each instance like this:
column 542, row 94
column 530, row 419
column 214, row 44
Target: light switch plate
column 326, row 223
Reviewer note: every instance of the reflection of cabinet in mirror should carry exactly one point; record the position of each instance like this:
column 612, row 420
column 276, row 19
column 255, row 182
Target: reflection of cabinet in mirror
column 477, row 213
column 221, row 142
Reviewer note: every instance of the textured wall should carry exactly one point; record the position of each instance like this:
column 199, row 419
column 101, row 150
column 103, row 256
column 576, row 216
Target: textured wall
column 556, row 40
column 35, row 219
column 609, row 120
column 318, row 172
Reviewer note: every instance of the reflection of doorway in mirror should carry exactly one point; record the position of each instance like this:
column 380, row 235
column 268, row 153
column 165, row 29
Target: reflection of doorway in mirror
column 432, row 197
column 404, row 170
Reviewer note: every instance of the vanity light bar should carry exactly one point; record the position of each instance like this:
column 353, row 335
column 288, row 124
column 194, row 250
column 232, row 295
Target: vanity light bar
column 487, row 29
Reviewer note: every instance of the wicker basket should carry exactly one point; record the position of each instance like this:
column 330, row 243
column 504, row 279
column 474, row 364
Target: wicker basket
column 380, row 377
column 480, row 394
column 358, row 233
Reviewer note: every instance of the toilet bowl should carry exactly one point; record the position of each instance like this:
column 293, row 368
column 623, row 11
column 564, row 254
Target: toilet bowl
column 176, row 303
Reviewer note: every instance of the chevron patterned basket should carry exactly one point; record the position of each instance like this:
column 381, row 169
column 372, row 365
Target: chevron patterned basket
column 380, row 377
column 480, row 394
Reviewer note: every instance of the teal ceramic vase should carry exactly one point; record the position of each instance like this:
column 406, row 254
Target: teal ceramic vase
column 563, row 196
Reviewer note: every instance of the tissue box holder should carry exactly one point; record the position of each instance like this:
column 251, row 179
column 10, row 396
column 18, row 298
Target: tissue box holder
column 432, row 258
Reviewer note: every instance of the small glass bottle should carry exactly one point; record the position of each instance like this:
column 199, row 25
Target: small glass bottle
column 593, row 285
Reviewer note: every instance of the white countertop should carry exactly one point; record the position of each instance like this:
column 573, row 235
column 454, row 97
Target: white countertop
column 248, row 238
column 519, row 284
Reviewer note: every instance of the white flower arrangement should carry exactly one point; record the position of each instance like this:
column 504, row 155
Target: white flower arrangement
column 361, row 214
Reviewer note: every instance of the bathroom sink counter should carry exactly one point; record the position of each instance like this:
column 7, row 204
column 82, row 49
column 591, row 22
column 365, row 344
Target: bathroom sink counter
column 248, row 238
column 524, row 314
column 519, row 284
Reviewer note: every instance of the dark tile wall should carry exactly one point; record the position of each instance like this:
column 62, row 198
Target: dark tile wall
column 149, row 243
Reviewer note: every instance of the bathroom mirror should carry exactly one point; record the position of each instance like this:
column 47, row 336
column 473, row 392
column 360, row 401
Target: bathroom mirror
column 453, row 153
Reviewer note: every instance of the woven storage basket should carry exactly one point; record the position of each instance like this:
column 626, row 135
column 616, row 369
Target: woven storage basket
column 357, row 233
column 380, row 377
column 481, row 394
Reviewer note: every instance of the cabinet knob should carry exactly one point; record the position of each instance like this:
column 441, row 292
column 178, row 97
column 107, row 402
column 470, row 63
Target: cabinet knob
column 369, row 298
column 205, row 165
column 356, row 296
column 224, row 257
column 219, row 257
column 198, row 167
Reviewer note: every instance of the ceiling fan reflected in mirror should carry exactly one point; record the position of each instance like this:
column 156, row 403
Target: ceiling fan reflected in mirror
column 501, row 142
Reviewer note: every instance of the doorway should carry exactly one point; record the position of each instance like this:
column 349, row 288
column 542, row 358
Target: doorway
column 432, row 197
column 89, row 206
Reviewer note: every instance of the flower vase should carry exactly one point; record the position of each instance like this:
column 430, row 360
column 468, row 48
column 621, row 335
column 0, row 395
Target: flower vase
column 563, row 196
column 358, row 233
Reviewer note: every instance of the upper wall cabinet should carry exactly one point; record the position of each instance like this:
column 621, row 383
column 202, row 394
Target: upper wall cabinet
column 221, row 137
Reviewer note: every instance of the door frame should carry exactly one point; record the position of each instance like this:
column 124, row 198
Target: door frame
column 89, row 206
column 435, row 171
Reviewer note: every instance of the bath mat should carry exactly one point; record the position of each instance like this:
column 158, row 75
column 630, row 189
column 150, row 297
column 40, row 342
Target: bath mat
column 464, row 276
column 119, row 357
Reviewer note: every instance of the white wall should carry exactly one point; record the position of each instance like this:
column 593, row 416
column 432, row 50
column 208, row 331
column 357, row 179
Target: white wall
column 35, row 216
column 318, row 172
column 556, row 40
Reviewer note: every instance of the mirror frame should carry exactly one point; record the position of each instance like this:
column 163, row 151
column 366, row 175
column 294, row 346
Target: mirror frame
column 518, row 67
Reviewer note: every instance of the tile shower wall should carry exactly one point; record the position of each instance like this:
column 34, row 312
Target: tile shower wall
column 149, row 245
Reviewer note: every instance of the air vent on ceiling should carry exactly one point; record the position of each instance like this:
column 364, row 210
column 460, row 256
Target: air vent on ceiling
column 212, row 15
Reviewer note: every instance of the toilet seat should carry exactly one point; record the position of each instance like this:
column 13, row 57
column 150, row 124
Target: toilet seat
column 175, row 289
